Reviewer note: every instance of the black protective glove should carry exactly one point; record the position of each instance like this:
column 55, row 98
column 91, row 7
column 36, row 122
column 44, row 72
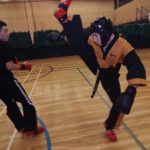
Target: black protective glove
column 125, row 100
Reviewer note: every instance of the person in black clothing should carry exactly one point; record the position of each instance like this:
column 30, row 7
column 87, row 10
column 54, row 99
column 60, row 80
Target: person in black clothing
column 11, row 90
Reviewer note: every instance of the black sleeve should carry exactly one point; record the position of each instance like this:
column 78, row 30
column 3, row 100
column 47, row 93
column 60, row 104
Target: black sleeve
column 134, row 66
column 9, row 53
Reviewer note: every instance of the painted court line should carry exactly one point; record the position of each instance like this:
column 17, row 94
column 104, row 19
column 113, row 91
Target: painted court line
column 132, row 135
column 4, row 109
column 47, row 136
column 15, row 131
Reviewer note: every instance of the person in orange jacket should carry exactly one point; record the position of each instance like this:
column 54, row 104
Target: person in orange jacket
column 104, row 50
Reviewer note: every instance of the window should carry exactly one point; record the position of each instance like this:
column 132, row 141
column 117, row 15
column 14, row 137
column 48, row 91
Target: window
column 119, row 3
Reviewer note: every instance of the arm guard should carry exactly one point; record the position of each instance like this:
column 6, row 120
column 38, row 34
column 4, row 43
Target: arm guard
column 136, row 71
column 125, row 100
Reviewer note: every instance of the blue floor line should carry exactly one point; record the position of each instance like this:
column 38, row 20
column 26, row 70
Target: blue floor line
column 47, row 136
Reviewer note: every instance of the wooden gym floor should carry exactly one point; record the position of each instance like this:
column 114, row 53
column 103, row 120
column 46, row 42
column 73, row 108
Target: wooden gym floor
column 73, row 120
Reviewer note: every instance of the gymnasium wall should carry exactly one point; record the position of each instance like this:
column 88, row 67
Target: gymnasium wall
column 127, row 13
column 37, row 16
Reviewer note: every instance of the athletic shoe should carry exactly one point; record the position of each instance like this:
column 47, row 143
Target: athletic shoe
column 31, row 133
column 111, row 135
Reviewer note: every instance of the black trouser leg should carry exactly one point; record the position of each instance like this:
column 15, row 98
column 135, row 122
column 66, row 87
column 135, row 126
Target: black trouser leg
column 112, row 87
column 28, row 108
column 30, row 117
column 14, row 113
column 113, row 93
column 112, row 119
column 74, row 32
